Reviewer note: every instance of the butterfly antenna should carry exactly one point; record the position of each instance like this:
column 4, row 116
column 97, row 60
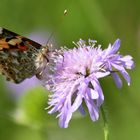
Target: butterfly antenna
column 61, row 20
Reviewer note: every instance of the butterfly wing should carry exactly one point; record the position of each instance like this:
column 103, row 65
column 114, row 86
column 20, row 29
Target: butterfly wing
column 17, row 56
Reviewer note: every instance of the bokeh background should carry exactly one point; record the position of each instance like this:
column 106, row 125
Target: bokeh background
column 22, row 113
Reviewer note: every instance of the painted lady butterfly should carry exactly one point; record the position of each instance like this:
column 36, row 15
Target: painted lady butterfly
column 20, row 57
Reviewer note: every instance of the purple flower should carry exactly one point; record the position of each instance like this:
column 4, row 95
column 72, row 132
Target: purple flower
column 73, row 78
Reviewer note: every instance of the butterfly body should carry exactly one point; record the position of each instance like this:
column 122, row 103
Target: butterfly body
column 19, row 56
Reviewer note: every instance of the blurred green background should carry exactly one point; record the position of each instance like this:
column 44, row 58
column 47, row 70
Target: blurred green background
column 104, row 20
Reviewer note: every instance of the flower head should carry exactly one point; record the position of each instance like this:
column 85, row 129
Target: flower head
column 73, row 78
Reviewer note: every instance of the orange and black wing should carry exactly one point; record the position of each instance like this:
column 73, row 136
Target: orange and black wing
column 17, row 56
column 10, row 40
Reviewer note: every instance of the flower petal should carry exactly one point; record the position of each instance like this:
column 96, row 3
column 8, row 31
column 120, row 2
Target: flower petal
column 117, row 80
column 65, row 118
column 93, row 110
column 98, row 89
column 94, row 94
column 81, row 110
column 116, row 46
column 77, row 103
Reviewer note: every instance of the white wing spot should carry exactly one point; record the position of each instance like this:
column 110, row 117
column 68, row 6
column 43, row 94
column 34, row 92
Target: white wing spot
column 1, row 30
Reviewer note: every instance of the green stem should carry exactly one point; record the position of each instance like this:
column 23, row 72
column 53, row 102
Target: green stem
column 106, row 128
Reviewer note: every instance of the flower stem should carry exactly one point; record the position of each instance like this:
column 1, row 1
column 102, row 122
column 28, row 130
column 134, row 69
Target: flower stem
column 106, row 128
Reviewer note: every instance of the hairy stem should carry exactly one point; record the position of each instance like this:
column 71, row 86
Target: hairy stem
column 106, row 128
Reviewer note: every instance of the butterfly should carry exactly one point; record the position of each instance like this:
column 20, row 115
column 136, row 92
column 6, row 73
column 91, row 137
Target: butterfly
column 20, row 57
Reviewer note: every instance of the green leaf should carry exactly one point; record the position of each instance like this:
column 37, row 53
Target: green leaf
column 31, row 108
